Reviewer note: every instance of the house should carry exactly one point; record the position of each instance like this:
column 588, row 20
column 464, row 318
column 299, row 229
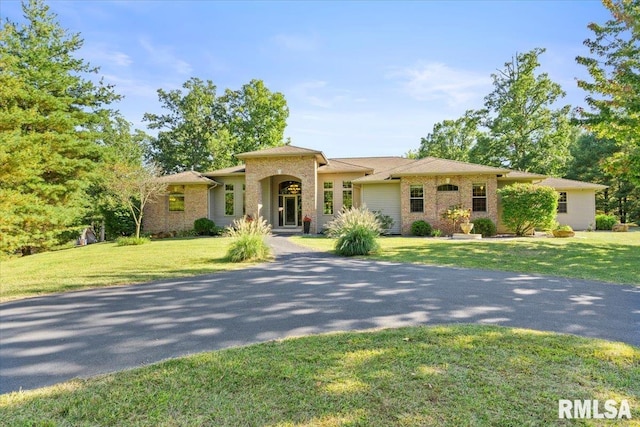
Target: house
column 286, row 183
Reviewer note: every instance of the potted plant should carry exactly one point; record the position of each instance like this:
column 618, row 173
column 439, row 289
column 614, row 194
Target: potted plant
column 306, row 223
column 457, row 213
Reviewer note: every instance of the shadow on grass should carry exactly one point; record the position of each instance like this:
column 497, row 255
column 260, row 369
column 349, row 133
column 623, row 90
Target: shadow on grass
column 609, row 263
column 447, row 375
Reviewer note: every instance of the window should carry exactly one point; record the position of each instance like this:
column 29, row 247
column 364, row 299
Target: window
column 347, row 194
column 479, row 198
column 228, row 200
column 447, row 187
column 176, row 198
column 416, row 198
column 244, row 199
column 328, row 198
column 562, row 202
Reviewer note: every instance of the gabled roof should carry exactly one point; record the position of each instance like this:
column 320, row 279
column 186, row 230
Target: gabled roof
column 436, row 166
column 515, row 175
column 284, row 151
column 233, row 170
column 570, row 184
column 430, row 166
column 188, row 177
column 338, row 166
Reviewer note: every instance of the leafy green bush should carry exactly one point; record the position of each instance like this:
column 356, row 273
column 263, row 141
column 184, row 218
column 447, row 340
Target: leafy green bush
column 204, row 227
column 386, row 222
column 605, row 222
column 526, row 207
column 484, row 226
column 248, row 239
column 421, row 228
column 356, row 230
column 131, row 241
column 564, row 228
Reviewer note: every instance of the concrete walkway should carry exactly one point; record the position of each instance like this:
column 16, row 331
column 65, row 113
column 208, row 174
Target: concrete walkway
column 50, row 339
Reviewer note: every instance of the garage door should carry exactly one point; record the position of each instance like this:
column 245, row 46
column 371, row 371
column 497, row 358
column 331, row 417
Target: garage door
column 385, row 198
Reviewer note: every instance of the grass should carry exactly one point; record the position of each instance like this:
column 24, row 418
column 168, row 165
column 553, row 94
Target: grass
column 605, row 256
column 107, row 264
column 445, row 376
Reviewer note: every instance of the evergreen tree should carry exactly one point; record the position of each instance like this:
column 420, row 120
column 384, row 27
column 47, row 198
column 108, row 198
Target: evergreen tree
column 47, row 110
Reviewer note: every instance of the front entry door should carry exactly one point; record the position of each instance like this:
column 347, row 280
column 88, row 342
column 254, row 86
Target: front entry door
column 290, row 211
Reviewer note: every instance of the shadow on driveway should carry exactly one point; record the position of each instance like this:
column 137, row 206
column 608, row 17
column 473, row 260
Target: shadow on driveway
column 50, row 339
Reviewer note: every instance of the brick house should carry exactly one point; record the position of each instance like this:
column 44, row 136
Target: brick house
column 284, row 184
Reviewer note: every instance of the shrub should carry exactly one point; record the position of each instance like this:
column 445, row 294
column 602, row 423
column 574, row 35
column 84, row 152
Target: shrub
column 356, row 230
column 131, row 241
column 386, row 222
column 421, row 228
column 204, row 227
column 248, row 239
column 526, row 207
column 605, row 222
column 484, row 226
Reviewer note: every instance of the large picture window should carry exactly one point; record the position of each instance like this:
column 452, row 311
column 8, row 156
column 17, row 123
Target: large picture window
column 328, row 199
column 479, row 198
column 347, row 194
column 562, row 202
column 229, row 202
column 176, row 198
column 416, row 198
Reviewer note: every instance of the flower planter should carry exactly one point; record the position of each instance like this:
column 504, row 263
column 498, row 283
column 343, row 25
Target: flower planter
column 466, row 227
column 306, row 226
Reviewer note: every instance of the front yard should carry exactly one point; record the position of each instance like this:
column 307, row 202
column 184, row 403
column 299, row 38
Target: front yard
column 105, row 264
column 606, row 256
column 436, row 376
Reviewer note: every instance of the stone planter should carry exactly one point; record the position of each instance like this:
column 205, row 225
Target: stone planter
column 466, row 227
column 563, row 233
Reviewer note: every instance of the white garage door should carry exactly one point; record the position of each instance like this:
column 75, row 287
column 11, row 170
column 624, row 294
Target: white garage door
column 385, row 198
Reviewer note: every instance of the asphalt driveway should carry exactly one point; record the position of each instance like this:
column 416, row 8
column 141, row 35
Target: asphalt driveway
column 50, row 339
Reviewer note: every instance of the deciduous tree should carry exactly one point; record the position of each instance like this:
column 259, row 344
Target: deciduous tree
column 452, row 139
column 525, row 132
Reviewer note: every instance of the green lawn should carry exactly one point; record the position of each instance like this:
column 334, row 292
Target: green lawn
column 436, row 376
column 606, row 256
column 106, row 264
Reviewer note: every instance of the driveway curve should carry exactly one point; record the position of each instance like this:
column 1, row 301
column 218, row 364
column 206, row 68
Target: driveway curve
column 54, row 338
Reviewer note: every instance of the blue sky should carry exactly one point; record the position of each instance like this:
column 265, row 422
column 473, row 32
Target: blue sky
column 360, row 78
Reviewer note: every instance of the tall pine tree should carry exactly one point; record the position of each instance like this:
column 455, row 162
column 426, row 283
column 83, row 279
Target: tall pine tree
column 48, row 106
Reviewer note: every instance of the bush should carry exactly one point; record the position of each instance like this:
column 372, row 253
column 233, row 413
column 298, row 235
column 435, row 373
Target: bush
column 248, row 240
column 526, row 207
column 204, row 227
column 484, row 226
column 605, row 222
column 421, row 228
column 386, row 222
column 356, row 231
column 131, row 241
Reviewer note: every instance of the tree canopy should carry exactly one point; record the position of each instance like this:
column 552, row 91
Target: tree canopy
column 47, row 146
column 614, row 91
column 201, row 131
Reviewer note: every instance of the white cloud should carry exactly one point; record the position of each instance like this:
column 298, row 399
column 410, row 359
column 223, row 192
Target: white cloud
column 437, row 81
column 163, row 55
column 100, row 54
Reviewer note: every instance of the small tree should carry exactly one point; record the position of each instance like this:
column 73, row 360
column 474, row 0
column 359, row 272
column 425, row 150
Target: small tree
column 526, row 207
column 134, row 186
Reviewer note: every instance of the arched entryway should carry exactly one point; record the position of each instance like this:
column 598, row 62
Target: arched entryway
column 290, row 203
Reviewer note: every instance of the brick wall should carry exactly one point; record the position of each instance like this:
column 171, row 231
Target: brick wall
column 303, row 168
column 157, row 217
column 436, row 202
